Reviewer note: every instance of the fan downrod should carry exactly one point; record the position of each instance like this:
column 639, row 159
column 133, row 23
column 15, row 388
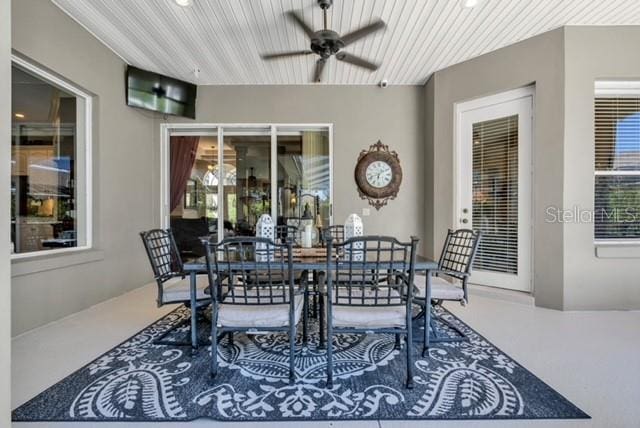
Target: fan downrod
column 326, row 42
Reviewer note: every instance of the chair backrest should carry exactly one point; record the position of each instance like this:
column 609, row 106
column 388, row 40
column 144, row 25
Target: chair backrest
column 249, row 270
column 163, row 254
column 459, row 251
column 286, row 233
column 336, row 232
column 186, row 234
column 370, row 271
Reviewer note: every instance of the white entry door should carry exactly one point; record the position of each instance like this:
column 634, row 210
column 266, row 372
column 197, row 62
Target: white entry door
column 494, row 138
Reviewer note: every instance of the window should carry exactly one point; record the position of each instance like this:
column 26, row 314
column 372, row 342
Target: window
column 50, row 140
column 617, row 160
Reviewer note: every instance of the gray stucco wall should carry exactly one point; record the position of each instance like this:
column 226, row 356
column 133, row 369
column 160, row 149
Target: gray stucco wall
column 361, row 115
column 569, row 271
column 536, row 60
column 592, row 282
column 5, row 215
column 415, row 121
column 122, row 175
column 126, row 160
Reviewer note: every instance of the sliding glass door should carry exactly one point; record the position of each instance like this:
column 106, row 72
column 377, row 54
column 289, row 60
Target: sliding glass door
column 304, row 177
column 193, row 194
column 219, row 179
column 247, row 152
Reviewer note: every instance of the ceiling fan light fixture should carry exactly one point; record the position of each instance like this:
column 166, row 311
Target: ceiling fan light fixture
column 184, row 3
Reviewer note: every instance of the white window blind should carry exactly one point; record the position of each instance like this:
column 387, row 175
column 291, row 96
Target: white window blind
column 617, row 161
column 495, row 193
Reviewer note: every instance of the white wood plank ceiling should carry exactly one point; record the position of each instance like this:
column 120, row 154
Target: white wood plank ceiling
column 224, row 38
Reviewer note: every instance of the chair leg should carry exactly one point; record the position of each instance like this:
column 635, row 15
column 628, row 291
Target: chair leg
column 314, row 311
column 214, row 345
column 305, row 318
column 329, row 353
column 314, row 298
column 409, row 351
column 230, row 339
column 437, row 338
column 194, row 314
column 398, row 345
column 322, row 344
column 427, row 316
column 292, row 348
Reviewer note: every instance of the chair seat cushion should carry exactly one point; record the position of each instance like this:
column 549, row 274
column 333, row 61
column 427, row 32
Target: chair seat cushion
column 440, row 288
column 258, row 316
column 178, row 289
column 353, row 316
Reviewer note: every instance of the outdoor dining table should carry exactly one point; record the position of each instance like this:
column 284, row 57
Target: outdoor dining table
column 198, row 267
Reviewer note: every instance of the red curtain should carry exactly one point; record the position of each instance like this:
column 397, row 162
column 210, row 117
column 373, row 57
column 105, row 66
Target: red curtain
column 183, row 156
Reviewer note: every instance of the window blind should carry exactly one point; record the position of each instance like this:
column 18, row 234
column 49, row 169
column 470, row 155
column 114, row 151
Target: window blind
column 495, row 193
column 617, row 167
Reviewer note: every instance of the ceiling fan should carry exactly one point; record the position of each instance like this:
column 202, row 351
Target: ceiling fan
column 327, row 43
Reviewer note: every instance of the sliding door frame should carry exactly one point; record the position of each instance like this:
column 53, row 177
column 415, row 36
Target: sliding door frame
column 217, row 129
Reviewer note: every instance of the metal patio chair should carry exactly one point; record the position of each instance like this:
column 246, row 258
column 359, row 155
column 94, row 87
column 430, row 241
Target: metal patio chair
column 335, row 231
column 286, row 233
column 369, row 291
column 447, row 283
column 258, row 293
column 173, row 285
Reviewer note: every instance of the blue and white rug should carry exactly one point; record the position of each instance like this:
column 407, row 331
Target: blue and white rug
column 141, row 381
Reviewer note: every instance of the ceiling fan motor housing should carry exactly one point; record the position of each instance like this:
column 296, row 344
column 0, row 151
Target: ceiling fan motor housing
column 326, row 43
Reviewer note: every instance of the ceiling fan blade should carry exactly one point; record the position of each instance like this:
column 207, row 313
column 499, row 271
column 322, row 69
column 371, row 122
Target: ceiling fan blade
column 356, row 60
column 298, row 19
column 284, row 54
column 317, row 73
column 362, row 32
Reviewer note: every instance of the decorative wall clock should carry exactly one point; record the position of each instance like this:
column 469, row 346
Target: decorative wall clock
column 378, row 175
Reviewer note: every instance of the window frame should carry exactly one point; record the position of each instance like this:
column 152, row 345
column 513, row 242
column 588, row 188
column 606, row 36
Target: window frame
column 603, row 89
column 84, row 159
column 274, row 129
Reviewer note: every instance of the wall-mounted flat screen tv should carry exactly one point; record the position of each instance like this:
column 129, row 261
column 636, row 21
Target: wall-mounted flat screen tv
column 153, row 91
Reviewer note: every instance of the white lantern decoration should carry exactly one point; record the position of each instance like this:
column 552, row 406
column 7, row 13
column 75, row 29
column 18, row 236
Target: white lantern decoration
column 265, row 229
column 353, row 227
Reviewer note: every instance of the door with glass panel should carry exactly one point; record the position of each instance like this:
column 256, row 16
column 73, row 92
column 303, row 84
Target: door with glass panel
column 222, row 178
column 494, row 186
column 247, row 156
column 303, row 179
column 195, row 172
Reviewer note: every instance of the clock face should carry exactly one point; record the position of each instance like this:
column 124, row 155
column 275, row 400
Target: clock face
column 379, row 174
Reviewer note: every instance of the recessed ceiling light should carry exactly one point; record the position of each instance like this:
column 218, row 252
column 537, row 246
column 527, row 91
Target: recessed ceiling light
column 467, row 3
column 19, row 115
column 184, row 3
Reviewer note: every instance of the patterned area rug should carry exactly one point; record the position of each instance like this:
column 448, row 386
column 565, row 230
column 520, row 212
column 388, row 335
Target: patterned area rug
column 141, row 381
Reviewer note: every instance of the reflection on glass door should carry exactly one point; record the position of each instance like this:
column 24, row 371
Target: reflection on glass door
column 193, row 189
column 304, row 178
column 221, row 180
column 247, row 153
